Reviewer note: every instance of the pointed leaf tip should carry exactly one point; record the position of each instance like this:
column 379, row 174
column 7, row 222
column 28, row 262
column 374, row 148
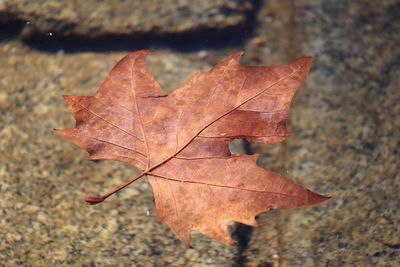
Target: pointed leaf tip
column 315, row 198
column 142, row 54
column 67, row 98
column 237, row 56
column 235, row 59
column 57, row 131
column 306, row 60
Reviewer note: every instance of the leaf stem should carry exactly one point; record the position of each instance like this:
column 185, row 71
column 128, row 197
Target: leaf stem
column 93, row 200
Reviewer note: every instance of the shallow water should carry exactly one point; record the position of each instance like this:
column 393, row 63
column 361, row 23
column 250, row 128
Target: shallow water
column 346, row 121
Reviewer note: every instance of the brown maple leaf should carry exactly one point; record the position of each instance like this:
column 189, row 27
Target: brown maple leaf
column 180, row 140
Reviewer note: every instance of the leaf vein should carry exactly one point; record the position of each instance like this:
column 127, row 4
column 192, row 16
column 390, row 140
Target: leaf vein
column 139, row 115
column 111, row 143
column 217, row 185
column 112, row 124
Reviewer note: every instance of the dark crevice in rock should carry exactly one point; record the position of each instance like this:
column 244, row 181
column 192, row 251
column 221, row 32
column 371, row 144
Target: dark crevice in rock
column 393, row 246
column 201, row 39
column 10, row 29
column 247, row 147
column 242, row 235
column 198, row 39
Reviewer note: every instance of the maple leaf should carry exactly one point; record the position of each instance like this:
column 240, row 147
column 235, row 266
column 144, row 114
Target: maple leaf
column 180, row 140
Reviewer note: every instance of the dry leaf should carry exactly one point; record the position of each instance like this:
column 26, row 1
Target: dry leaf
column 181, row 140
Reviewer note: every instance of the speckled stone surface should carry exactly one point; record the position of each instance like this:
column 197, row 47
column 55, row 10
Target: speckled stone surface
column 92, row 18
column 346, row 120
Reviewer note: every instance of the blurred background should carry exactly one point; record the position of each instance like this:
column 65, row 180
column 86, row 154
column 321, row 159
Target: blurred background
column 346, row 121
